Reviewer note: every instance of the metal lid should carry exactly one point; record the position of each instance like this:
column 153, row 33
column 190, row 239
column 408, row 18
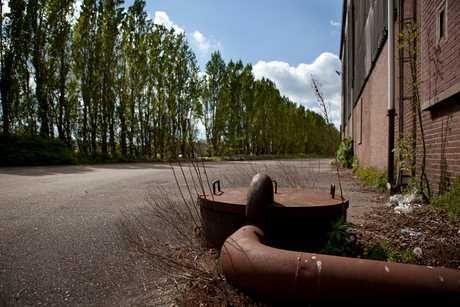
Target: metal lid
column 287, row 202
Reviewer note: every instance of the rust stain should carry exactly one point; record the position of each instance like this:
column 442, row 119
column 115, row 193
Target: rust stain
column 286, row 202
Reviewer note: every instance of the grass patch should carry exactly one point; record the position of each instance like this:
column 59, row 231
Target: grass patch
column 372, row 177
column 448, row 202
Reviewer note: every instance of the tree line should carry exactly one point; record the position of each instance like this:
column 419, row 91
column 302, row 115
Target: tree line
column 114, row 82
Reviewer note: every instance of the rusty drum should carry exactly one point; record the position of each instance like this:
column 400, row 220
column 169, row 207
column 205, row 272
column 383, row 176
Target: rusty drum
column 294, row 219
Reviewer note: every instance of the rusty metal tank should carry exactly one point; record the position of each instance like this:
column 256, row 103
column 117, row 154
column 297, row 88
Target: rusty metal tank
column 293, row 219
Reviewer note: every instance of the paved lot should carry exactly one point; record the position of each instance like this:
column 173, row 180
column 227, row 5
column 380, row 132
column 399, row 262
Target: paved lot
column 57, row 244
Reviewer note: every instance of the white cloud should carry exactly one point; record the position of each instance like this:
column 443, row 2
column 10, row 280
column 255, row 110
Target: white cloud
column 162, row 18
column 294, row 82
column 335, row 24
column 203, row 44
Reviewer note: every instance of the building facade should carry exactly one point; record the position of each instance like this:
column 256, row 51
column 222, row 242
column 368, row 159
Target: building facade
column 377, row 106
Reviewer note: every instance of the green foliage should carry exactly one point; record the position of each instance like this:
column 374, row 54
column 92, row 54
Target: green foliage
column 448, row 202
column 29, row 150
column 372, row 177
column 337, row 239
column 408, row 153
column 409, row 37
column 385, row 251
column 344, row 155
column 354, row 162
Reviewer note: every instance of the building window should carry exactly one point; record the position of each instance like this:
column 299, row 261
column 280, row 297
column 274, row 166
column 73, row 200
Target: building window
column 442, row 31
column 441, row 23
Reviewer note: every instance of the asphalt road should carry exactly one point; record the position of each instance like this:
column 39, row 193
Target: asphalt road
column 57, row 244
column 57, row 239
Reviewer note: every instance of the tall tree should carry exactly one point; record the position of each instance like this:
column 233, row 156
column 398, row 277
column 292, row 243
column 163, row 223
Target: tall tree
column 12, row 28
column 135, row 51
column 86, row 51
column 37, row 18
column 111, row 19
column 215, row 103
column 60, row 37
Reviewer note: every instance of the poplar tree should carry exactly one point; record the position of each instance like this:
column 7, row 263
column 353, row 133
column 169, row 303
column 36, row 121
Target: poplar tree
column 60, row 38
column 86, row 51
column 10, row 57
column 215, row 104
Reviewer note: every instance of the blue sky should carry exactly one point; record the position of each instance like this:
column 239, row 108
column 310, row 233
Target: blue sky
column 285, row 41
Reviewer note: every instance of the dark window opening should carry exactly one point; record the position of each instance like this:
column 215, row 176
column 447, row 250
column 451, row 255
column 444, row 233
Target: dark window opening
column 442, row 24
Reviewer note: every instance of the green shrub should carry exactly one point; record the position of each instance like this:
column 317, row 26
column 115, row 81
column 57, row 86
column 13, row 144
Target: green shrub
column 344, row 155
column 449, row 202
column 31, row 150
column 372, row 177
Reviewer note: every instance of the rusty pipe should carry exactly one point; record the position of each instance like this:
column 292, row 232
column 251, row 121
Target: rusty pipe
column 260, row 194
column 307, row 278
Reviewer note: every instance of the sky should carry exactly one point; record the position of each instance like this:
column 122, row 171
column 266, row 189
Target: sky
column 285, row 41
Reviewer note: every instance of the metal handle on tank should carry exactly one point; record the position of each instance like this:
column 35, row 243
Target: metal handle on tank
column 276, row 186
column 214, row 186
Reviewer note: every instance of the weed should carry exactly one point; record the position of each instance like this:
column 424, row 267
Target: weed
column 344, row 156
column 338, row 239
column 449, row 202
column 288, row 174
column 409, row 37
column 372, row 177
column 385, row 251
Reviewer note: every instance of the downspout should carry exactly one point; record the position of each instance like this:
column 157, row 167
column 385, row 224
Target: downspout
column 391, row 95
column 401, row 83
column 307, row 278
column 351, row 71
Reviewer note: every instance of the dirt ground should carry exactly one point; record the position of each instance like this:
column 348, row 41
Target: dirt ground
column 438, row 237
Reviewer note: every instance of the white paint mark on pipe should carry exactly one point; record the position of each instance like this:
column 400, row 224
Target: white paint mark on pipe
column 440, row 278
column 318, row 263
column 387, row 269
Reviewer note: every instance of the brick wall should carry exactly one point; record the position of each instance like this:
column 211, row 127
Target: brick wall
column 442, row 134
column 439, row 70
column 373, row 150
column 440, row 62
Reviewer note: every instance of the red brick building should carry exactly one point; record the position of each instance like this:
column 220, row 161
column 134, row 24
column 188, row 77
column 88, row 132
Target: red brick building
column 376, row 104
